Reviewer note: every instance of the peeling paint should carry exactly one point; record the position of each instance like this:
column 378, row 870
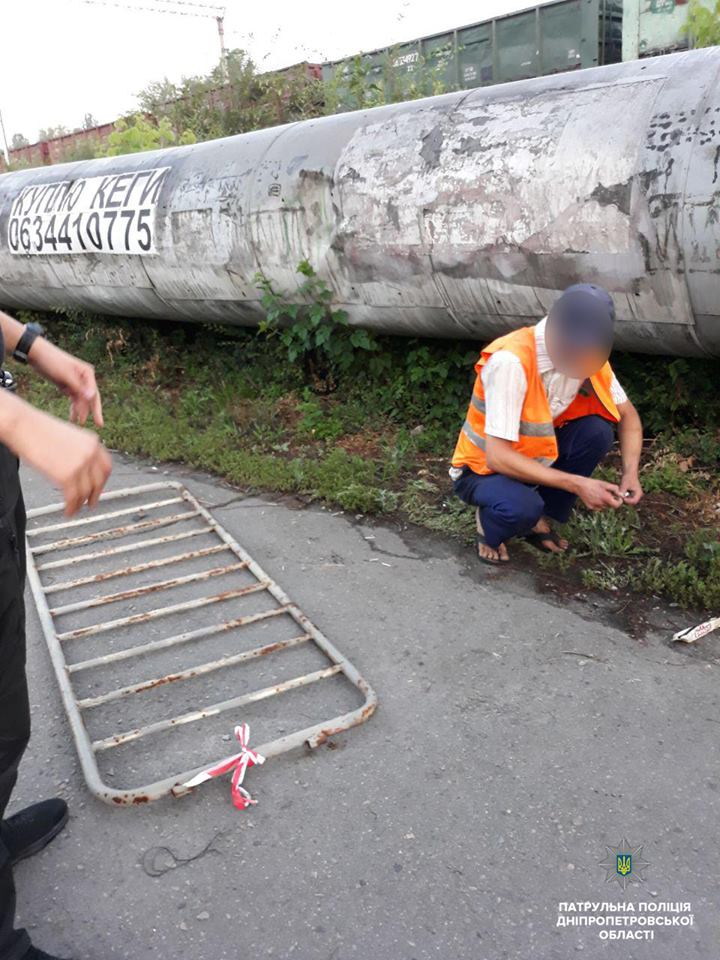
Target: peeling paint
column 432, row 146
column 617, row 195
column 454, row 216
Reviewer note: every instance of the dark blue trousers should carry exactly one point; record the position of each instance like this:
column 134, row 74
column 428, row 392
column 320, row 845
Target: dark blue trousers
column 509, row 508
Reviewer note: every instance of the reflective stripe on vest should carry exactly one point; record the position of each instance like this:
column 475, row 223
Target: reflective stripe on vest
column 471, row 435
column 527, row 429
column 480, row 441
column 536, row 434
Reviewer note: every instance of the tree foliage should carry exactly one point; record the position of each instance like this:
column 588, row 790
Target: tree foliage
column 138, row 133
column 234, row 100
column 360, row 83
column 50, row 133
column 703, row 24
column 237, row 98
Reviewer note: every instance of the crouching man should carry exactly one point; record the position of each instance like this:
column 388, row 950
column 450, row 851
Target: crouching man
column 542, row 416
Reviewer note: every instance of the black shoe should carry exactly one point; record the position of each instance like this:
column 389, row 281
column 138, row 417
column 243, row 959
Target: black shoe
column 35, row 954
column 32, row 829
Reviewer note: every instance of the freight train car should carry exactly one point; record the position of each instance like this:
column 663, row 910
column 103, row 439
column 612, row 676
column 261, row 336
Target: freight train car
column 548, row 38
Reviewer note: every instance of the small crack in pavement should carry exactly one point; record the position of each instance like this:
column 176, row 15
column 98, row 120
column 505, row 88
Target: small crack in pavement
column 228, row 503
column 376, row 549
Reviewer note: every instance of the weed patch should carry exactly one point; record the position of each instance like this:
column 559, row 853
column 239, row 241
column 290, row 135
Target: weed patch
column 371, row 431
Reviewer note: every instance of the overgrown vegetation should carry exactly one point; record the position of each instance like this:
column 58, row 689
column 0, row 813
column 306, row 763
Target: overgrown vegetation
column 234, row 99
column 311, row 331
column 137, row 134
column 703, row 24
column 314, row 407
column 362, row 83
column 231, row 99
column 236, row 96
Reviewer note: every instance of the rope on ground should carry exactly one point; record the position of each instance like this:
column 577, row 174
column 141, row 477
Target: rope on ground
column 153, row 866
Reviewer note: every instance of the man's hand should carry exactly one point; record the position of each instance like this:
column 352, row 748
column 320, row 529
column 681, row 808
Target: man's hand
column 631, row 489
column 71, row 458
column 598, row 494
column 72, row 376
column 630, row 433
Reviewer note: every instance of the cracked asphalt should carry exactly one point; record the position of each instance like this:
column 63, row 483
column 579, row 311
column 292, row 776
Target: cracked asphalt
column 517, row 735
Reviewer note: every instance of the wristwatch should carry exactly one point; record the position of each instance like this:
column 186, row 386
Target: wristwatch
column 29, row 335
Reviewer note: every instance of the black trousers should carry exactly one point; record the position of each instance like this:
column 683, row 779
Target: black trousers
column 14, row 706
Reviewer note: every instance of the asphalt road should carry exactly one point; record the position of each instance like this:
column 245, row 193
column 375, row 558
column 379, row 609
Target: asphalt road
column 517, row 735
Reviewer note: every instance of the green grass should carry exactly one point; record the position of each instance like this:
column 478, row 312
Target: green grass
column 608, row 534
column 666, row 478
column 692, row 581
column 230, row 402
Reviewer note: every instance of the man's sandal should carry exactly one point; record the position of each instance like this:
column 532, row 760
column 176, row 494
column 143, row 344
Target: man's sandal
column 480, row 540
column 537, row 540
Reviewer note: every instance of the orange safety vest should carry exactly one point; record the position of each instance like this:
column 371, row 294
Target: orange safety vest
column 537, row 428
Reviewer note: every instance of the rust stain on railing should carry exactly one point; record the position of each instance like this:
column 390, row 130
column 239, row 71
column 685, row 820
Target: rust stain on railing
column 75, row 707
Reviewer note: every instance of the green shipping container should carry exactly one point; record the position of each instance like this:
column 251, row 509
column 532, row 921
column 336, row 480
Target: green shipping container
column 564, row 35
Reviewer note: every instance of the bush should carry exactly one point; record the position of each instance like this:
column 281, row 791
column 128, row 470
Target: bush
column 701, row 444
column 703, row 24
column 693, row 581
column 670, row 393
column 311, row 331
column 137, row 134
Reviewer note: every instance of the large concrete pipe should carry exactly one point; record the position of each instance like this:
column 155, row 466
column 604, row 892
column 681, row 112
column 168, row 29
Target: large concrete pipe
column 461, row 215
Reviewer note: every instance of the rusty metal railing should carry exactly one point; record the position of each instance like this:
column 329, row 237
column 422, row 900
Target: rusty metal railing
column 43, row 563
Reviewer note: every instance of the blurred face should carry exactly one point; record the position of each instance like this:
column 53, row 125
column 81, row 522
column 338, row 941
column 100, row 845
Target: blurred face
column 571, row 360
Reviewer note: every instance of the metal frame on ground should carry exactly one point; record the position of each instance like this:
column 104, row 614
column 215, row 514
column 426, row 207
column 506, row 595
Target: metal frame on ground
column 313, row 736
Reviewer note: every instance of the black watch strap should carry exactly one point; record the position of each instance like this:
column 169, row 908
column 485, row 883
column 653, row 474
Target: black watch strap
column 30, row 334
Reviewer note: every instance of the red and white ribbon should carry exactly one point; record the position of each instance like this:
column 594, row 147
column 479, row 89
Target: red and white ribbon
column 239, row 762
column 691, row 634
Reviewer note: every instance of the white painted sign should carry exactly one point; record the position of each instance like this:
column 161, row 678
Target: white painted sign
column 114, row 214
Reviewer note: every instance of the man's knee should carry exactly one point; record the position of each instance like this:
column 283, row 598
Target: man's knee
column 598, row 433
column 522, row 509
column 590, row 436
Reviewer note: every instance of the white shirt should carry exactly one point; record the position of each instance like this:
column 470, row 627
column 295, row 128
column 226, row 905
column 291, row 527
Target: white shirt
column 505, row 386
